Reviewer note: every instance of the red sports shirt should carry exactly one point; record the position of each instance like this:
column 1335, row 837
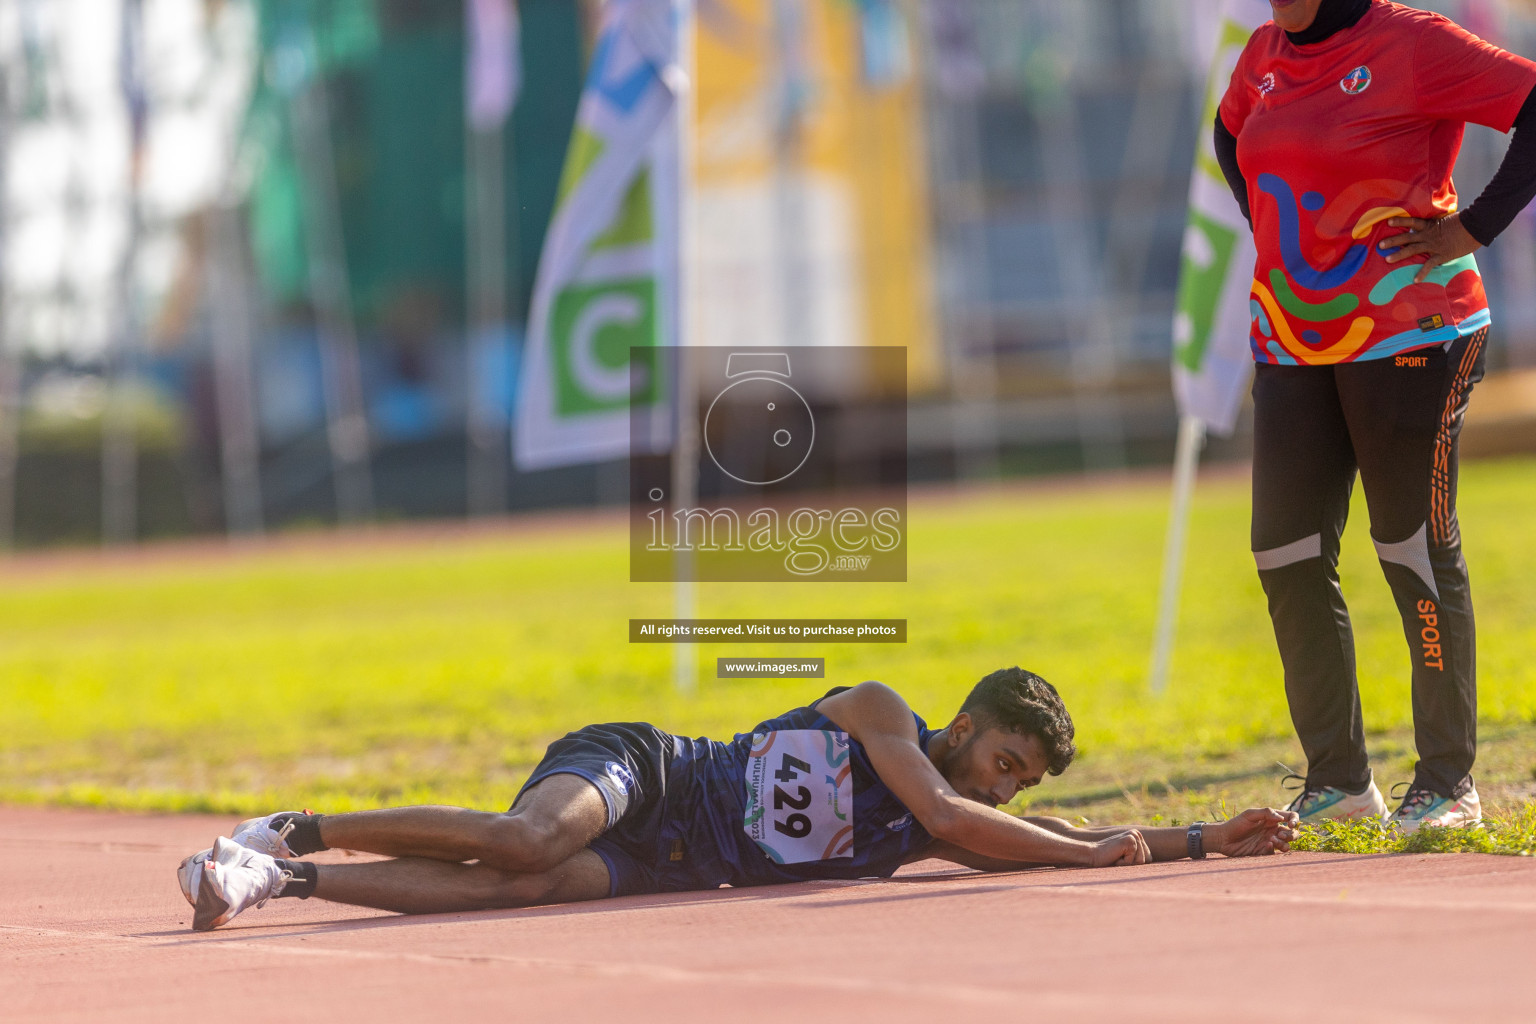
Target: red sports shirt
column 1335, row 137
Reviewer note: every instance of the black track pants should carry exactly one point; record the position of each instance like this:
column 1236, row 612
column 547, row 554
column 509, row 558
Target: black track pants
column 1396, row 421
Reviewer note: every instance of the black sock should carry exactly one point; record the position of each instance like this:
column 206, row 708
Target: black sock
column 305, row 837
column 302, row 884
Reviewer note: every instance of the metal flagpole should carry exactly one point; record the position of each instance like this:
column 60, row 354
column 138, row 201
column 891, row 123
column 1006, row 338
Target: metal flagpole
column 331, row 292
column 119, row 440
column 685, row 481
column 1186, row 460
column 234, row 329
column 234, row 382
column 492, row 68
column 10, row 369
column 485, row 235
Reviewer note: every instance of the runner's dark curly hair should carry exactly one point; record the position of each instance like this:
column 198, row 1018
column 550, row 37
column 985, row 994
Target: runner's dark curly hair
column 1022, row 702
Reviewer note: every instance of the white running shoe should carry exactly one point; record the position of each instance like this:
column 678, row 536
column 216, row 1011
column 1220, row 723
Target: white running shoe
column 1321, row 803
column 231, row 880
column 253, row 834
column 1426, row 807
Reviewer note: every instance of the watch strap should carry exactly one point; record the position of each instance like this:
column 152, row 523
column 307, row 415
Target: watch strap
column 1195, row 841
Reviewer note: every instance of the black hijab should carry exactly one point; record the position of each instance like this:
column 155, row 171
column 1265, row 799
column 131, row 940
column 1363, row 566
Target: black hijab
column 1332, row 15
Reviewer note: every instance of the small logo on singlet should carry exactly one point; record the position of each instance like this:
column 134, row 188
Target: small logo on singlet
column 1267, row 84
column 622, row 776
column 1357, row 81
column 899, row 823
column 1431, row 323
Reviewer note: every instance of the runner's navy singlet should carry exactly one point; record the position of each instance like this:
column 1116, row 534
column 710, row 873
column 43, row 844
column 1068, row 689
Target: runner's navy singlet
column 715, row 783
column 796, row 798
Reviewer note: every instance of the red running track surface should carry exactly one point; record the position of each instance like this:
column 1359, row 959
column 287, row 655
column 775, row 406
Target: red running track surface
column 93, row 928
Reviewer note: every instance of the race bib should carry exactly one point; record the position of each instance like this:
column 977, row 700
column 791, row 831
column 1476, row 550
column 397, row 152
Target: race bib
column 800, row 795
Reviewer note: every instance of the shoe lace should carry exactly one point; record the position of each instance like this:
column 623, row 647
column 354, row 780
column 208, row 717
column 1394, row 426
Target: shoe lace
column 278, row 836
column 290, row 824
column 283, row 878
column 1413, row 799
column 1303, row 792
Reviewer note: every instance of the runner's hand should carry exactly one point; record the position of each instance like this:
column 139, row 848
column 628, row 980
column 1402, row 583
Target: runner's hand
column 1440, row 240
column 1256, row 832
column 1128, row 847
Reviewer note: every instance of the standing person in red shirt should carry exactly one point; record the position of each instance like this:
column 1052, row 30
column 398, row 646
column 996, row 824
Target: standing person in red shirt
column 1337, row 134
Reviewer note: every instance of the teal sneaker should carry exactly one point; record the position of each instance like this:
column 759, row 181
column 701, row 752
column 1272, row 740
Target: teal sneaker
column 1426, row 807
column 1324, row 803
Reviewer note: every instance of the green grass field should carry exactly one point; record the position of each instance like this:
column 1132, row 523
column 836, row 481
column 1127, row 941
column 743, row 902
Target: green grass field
column 346, row 671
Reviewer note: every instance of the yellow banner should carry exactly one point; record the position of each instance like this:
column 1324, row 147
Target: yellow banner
column 811, row 191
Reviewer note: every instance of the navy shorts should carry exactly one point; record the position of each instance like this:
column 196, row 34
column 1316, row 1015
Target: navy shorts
column 628, row 762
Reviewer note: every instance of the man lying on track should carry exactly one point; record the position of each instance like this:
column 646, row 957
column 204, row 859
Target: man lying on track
column 853, row 786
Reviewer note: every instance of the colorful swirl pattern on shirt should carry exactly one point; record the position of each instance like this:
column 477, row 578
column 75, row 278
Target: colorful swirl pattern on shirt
column 1286, row 325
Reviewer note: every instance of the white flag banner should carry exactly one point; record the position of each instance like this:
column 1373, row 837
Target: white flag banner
column 494, row 68
column 1211, row 359
column 607, row 278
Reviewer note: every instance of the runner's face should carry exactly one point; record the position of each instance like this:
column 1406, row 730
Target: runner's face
column 991, row 766
column 1294, row 15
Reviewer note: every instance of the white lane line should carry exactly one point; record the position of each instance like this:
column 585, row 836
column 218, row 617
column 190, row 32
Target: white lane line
column 1343, row 899
column 99, row 845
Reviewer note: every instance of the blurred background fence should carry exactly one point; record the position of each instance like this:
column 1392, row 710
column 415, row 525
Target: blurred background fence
column 263, row 263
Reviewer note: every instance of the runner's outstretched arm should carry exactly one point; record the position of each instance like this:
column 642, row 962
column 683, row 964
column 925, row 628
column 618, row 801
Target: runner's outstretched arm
column 1255, row 832
column 877, row 717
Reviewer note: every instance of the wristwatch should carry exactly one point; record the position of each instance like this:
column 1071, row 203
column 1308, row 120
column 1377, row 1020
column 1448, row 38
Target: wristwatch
column 1195, row 841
